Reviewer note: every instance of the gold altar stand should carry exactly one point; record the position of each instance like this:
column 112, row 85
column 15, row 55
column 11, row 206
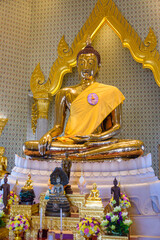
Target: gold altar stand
column 32, row 212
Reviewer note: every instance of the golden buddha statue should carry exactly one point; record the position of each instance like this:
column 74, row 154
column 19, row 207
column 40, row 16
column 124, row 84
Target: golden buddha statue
column 94, row 199
column 27, row 194
column 94, row 194
column 28, row 183
column 95, row 118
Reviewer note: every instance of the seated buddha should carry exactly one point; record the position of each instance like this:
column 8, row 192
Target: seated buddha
column 94, row 120
column 94, row 199
column 94, row 194
column 28, row 183
column 27, row 194
column 57, row 199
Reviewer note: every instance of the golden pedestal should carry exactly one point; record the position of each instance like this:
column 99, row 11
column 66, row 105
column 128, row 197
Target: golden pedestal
column 77, row 200
column 26, row 210
column 96, row 212
column 93, row 204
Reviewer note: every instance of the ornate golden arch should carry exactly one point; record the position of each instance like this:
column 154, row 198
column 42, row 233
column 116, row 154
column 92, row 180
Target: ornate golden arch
column 105, row 11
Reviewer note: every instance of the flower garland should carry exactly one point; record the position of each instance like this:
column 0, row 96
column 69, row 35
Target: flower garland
column 88, row 227
column 19, row 223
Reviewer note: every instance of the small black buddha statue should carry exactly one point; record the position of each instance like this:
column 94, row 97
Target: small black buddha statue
column 115, row 191
column 57, row 199
column 6, row 191
column 66, row 166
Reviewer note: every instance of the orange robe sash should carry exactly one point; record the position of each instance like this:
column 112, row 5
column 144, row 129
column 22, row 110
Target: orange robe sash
column 85, row 118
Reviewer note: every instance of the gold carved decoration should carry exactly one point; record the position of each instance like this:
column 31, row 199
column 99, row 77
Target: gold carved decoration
column 106, row 237
column 3, row 159
column 40, row 109
column 39, row 87
column 4, row 233
column 34, row 116
column 41, row 95
column 3, row 162
column 3, row 122
column 105, row 11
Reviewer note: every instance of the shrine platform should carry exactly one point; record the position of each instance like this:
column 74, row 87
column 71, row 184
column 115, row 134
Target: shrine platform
column 136, row 176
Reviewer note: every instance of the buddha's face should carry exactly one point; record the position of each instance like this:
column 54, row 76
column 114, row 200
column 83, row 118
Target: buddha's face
column 115, row 182
column 58, row 180
column 5, row 180
column 87, row 65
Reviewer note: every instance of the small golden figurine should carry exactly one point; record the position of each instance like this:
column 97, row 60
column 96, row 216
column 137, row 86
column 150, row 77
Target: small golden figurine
column 27, row 194
column 28, row 183
column 94, row 199
column 94, row 194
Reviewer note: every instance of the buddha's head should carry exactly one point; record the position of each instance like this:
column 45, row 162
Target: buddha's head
column 58, row 180
column 5, row 180
column 115, row 182
column 29, row 176
column 88, row 62
column 94, row 186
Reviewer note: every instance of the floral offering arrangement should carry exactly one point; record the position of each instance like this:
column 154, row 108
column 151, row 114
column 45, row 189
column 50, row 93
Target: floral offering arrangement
column 18, row 223
column 12, row 198
column 124, row 202
column 88, row 227
column 116, row 222
column 1, row 199
column 2, row 223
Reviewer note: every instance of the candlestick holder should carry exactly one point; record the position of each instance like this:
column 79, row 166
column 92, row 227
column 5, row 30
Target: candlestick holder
column 40, row 233
column 61, row 235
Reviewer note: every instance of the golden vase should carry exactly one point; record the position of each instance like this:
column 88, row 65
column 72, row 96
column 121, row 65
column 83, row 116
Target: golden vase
column 88, row 238
column 17, row 234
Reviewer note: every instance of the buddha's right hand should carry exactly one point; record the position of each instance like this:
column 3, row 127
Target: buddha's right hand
column 44, row 143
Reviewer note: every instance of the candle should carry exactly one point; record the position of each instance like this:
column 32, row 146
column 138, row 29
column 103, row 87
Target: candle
column 41, row 219
column 61, row 217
